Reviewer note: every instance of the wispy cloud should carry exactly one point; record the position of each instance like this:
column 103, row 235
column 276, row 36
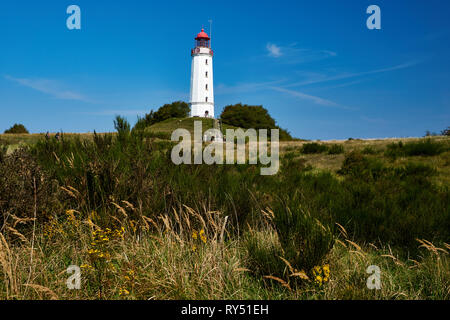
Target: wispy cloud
column 292, row 54
column 317, row 78
column 274, row 50
column 314, row 99
column 245, row 87
column 50, row 87
column 123, row 112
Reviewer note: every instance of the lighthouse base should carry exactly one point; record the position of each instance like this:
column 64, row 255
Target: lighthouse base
column 204, row 110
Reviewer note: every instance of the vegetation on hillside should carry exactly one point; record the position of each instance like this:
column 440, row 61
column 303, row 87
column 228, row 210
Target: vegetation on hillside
column 160, row 124
column 16, row 129
column 256, row 117
column 141, row 227
column 178, row 109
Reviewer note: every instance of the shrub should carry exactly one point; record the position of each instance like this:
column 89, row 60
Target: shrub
column 426, row 147
column 394, row 205
column 17, row 129
column 355, row 164
column 304, row 239
column 263, row 254
column 21, row 180
column 256, row 117
column 3, row 152
column 369, row 150
column 177, row 109
column 122, row 127
column 336, row 149
column 310, row 148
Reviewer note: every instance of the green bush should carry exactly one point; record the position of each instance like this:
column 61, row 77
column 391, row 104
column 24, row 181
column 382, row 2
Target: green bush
column 303, row 237
column 394, row 205
column 310, row 148
column 263, row 254
column 369, row 150
column 177, row 109
column 17, row 129
column 375, row 202
column 356, row 164
column 3, row 152
column 255, row 117
column 425, row 147
column 336, row 149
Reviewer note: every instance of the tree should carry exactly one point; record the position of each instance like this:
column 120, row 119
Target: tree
column 177, row 109
column 122, row 127
column 446, row 132
column 256, row 117
column 17, row 128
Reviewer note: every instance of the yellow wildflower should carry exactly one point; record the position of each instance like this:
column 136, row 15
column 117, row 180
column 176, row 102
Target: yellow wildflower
column 123, row 292
column 326, row 270
column 203, row 236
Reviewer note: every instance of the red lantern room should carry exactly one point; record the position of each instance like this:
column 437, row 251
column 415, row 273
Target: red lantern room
column 202, row 40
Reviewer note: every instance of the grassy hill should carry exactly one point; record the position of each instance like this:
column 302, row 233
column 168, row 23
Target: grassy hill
column 165, row 128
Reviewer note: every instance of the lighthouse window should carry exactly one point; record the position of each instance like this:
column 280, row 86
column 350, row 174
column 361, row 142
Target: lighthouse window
column 206, row 87
column 206, row 61
column 206, row 99
column 206, row 74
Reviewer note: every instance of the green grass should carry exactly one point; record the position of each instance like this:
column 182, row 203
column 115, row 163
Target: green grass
column 170, row 125
column 346, row 211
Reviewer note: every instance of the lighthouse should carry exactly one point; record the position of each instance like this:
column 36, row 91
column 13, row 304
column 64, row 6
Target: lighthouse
column 202, row 90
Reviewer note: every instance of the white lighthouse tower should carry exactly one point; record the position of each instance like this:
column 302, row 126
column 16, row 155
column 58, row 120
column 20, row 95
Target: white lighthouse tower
column 202, row 90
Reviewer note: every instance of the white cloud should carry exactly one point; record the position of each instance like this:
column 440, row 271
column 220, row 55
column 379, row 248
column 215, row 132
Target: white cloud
column 50, row 87
column 274, row 50
column 314, row 99
column 293, row 55
column 322, row 78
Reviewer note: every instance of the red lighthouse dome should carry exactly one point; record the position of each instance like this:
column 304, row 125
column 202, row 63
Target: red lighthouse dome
column 202, row 36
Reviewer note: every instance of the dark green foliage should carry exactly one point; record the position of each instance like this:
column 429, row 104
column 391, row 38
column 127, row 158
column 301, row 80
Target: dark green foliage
column 304, row 239
column 21, row 179
column 17, row 128
column 374, row 201
column 336, row 149
column 355, row 164
column 3, row 151
column 178, row 109
column 245, row 116
column 369, row 150
column 395, row 205
column 425, row 147
column 123, row 128
column 310, row 148
column 256, row 117
column 264, row 255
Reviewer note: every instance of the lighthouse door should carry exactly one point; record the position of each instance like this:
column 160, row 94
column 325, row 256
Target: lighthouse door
column 206, row 114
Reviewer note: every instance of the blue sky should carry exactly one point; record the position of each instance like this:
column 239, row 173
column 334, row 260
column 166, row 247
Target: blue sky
column 313, row 64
